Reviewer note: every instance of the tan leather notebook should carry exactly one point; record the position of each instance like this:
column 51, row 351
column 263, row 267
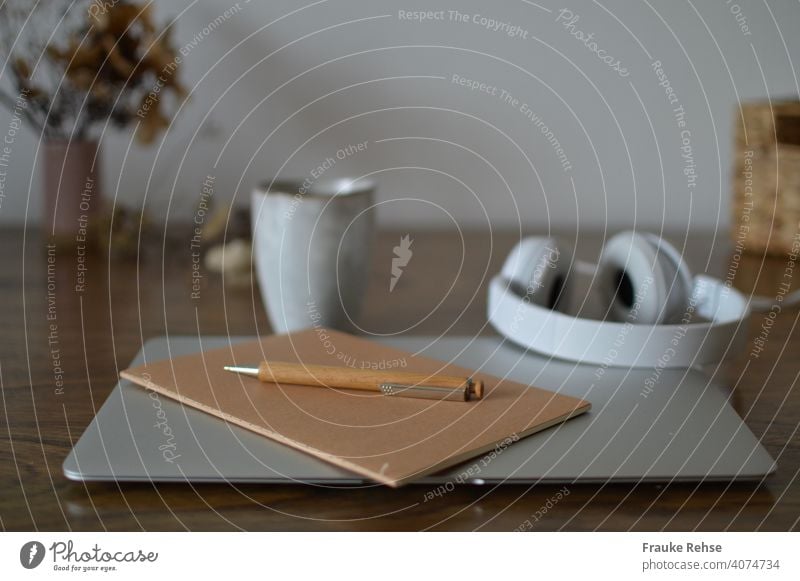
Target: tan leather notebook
column 388, row 439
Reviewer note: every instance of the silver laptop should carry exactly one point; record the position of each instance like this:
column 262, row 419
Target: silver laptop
column 681, row 429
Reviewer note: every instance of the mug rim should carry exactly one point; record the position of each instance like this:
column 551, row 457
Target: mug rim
column 326, row 188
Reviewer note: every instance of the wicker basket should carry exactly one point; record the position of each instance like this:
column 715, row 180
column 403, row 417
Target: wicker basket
column 766, row 209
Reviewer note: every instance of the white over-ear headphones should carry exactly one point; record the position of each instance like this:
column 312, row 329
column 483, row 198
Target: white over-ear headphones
column 651, row 311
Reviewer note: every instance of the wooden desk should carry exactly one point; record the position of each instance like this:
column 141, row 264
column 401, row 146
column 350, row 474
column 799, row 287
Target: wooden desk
column 99, row 330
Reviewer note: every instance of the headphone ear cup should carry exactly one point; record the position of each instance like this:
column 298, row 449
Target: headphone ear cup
column 643, row 278
column 537, row 273
column 631, row 280
column 677, row 278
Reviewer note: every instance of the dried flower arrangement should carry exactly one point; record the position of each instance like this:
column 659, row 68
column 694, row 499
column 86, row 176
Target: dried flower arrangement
column 111, row 64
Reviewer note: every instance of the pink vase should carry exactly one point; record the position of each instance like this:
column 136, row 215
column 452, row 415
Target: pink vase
column 72, row 199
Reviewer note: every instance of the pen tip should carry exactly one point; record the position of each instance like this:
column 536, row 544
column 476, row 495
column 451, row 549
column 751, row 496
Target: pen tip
column 243, row 370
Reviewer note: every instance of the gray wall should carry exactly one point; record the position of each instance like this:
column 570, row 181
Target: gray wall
column 279, row 92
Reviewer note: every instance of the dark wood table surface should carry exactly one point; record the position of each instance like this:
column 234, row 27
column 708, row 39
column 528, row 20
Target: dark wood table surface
column 96, row 332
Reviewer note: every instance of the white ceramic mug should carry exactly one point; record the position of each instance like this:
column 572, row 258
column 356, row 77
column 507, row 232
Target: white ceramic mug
column 311, row 248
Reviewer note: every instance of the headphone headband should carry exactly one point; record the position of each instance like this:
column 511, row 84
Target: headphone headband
column 613, row 344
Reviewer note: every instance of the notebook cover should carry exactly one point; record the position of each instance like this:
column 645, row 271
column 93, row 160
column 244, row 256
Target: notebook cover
column 388, row 439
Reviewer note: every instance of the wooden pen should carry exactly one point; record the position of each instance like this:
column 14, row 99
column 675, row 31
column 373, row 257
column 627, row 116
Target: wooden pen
column 391, row 383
